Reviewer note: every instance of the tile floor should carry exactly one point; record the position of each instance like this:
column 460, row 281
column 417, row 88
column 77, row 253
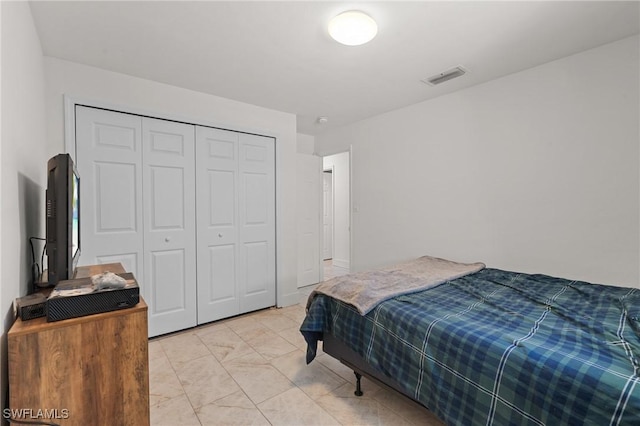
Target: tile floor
column 331, row 271
column 250, row 370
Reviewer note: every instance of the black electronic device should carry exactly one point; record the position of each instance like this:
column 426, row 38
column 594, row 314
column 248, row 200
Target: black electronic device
column 62, row 218
column 81, row 297
column 31, row 306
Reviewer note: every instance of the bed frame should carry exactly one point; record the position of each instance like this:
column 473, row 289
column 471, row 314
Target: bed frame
column 347, row 356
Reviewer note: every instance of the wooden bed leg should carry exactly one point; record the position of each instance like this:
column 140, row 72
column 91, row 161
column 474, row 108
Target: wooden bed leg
column 358, row 391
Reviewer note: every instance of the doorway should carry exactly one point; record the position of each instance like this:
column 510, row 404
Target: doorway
column 327, row 214
column 336, row 217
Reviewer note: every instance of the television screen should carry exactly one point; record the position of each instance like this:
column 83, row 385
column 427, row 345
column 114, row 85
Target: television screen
column 75, row 220
column 63, row 218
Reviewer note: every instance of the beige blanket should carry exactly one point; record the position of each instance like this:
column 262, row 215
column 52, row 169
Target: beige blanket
column 365, row 290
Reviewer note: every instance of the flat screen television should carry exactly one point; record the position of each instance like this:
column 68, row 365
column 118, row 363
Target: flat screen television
column 62, row 218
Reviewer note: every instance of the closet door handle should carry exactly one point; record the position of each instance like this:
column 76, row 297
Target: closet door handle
column 167, row 239
column 219, row 235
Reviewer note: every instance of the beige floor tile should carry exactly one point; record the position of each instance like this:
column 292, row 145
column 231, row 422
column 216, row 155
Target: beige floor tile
column 203, row 330
column 409, row 410
column 163, row 381
column 183, row 347
column 235, row 409
column 335, row 366
column 346, row 373
column 204, row 380
column 257, row 378
column 251, row 370
column 275, row 320
column 155, row 350
column 314, row 379
column 295, row 312
column 349, row 409
column 293, row 336
column 224, row 343
column 269, row 344
column 175, row 411
column 295, row 408
column 247, row 326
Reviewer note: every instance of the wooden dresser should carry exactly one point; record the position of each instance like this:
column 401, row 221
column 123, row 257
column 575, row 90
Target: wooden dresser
column 91, row 370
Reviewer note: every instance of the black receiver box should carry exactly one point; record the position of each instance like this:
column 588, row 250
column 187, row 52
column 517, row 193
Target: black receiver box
column 31, row 306
column 79, row 297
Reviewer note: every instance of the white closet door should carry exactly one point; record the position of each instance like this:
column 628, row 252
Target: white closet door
column 257, row 273
column 217, row 222
column 138, row 190
column 235, row 207
column 169, row 225
column 109, row 161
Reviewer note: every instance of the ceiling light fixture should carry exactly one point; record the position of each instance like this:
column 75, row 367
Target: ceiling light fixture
column 353, row 28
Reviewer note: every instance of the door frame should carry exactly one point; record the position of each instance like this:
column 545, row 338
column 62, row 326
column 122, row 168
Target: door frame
column 69, row 119
column 333, row 212
column 350, row 210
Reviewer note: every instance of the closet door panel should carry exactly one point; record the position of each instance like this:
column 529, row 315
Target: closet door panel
column 169, row 225
column 257, row 275
column 257, row 255
column 109, row 161
column 167, row 284
column 222, row 189
column 217, row 221
column 222, row 270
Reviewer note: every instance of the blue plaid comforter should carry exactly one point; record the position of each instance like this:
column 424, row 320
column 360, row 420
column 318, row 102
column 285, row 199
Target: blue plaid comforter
column 502, row 348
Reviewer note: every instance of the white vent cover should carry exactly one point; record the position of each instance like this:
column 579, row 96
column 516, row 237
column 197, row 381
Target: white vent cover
column 445, row 76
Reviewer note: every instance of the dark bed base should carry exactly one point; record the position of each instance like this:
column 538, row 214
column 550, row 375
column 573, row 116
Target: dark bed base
column 351, row 359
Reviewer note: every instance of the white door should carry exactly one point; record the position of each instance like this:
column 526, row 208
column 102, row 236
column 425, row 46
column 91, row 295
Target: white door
column 138, row 192
column 169, row 224
column 327, row 216
column 217, row 221
column 109, row 160
column 235, row 214
column 257, row 231
column 308, row 188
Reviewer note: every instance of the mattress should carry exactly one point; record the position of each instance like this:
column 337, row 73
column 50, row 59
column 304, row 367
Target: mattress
column 500, row 347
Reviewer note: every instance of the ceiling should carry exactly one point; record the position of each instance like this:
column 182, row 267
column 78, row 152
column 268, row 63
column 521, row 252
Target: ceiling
column 278, row 54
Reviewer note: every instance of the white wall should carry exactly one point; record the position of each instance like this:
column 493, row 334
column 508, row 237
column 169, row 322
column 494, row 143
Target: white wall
column 339, row 163
column 537, row 171
column 63, row 77
column 23, row 160
column 306, row 144
column 309, row 207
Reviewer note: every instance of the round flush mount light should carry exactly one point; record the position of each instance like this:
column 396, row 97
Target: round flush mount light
column 353, row 28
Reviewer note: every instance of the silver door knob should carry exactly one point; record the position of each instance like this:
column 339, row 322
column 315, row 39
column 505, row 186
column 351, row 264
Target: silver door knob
column 219, row 235
column 167, row 239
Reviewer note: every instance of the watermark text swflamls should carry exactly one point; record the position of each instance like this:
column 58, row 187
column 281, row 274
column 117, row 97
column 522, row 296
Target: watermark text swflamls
column 35, row 414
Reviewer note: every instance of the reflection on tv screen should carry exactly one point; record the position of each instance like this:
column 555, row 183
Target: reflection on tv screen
column 74, row 224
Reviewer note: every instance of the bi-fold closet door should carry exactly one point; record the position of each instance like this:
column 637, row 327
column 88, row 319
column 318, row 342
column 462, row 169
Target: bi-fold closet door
column 189, row 210
column 236, row 223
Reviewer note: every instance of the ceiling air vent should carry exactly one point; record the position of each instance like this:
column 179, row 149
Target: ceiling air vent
column 444, row 76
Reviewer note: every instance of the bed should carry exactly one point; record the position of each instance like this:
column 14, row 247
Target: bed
column 488, row 346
